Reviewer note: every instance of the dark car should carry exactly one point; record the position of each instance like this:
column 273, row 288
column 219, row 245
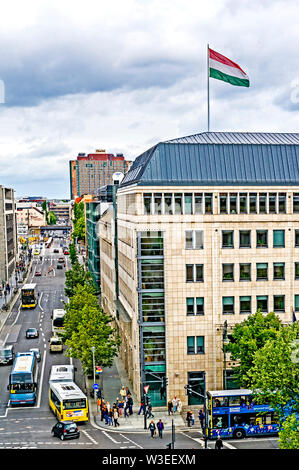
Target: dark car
column 66, row 430
column 61, row 260
column 59, row 266
column 32, row 333
column 55, row 250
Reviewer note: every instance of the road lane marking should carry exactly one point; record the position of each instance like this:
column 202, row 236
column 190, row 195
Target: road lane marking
column 135, row 444
column 89, row 437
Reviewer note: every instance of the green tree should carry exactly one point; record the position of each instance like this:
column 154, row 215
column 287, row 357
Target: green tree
column 87, row 325
column 73, row 254
column 247, row 338
column 51, row 218
column 79, row 229
column 77, row 276
column 289, row 434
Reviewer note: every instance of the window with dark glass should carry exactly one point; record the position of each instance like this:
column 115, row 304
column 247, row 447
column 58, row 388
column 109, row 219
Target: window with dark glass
column 194, row 273
column 190, row 345
column 152, row 274
column 178, row 204
column 199, row 273
column 262, row 203
column 245, row 238
column 227, row 238
column 272, row 203
column 278, row 238
column 261, row 271
column 262, row 238
column 189, row 273
column 190, row 305
column 188, row 203
column 245, row 304
column 200, row 344
column 278, row 302
column 243, row 203
column 282, row 208
column 198, row 202
column 154, row 343
column 296, row 271
column 228, row 305
column 195, row 306
column 262, row 303
column 200, row 306
column 297, row 238
column 297, row 303
column 157, row 203
column 245, row 272
column 189, row 239
column 253, row 203
column 194, row 239
column 208, row 203
column 223, row 203
column 168, row 204
column 296, row 202
column 227, row 272
column 278, row 271
column 151, row 244
column 147, row 199
column 233, row 203
column 153, row 309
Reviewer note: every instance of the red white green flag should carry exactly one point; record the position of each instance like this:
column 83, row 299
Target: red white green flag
column 222, row 68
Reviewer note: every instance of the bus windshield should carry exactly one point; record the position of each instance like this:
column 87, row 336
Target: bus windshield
column 20, row 378
column 74, row 404
column 23, row 387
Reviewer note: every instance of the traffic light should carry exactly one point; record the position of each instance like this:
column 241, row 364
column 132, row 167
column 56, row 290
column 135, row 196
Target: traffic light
column 147, row 399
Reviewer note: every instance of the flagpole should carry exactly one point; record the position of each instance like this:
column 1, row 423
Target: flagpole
column 208, row 87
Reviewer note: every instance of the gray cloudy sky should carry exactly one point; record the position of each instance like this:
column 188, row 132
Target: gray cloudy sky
column 125, row 74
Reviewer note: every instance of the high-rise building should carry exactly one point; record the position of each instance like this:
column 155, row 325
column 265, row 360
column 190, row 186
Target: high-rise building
column 207, row 234
column 8, row 234
column 89, row 172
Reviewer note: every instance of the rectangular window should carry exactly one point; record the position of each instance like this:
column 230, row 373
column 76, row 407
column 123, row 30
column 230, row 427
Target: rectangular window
column 200, row 306
column 227, row 238
column 296, row 202
column 297, row 238
column 194, row 239
column 262, row 238
column 233, row 203
column 278, row 238
column 253, row 203
column 278, row 271
column 153, row 309
column 245, row 304
column 243, row 203
column 272, row 203
column 208, row 203
column 245, row 272
column 261, row 271
column 198, row 201
column 200, row 344
column 297, row 303
column 189, row 273
column 228, row 305
column 152, row 274
column 282, row 207
column 199, row 273
column 168, row 204
column 188, row 203
column 190, row 305
column 194, row 273
column 278, row 302
column 223, row 203
column 190, row 345
column 245, row 238
column 296, row 271
column 195, row 306
column 227, row 272
column 151, row 244
column 262, row 203
column 158, row 203
column 262, row 303
column 147, row 200
column 178, row 208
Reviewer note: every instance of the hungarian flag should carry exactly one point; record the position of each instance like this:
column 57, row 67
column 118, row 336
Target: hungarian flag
column 222, row 68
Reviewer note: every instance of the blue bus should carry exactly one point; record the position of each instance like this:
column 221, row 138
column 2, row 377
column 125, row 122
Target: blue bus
column 233, row 413
column 23, row 379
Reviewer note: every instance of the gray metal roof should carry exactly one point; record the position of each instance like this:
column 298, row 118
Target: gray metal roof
column 219, row 158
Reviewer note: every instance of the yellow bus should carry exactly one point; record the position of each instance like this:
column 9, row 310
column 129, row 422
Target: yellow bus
column 28, row 297
column 67, row 401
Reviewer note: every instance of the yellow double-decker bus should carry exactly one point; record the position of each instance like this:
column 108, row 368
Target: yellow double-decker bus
column 28, row 297
column 67, row 401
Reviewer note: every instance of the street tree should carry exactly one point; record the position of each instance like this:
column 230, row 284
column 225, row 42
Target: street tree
column 73, row 254
column 247, row 338
column 77, row 276
column 289, row 434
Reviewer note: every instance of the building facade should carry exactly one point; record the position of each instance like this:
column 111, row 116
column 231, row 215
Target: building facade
column 8, row 234
column 90, row 172
column 208, row 233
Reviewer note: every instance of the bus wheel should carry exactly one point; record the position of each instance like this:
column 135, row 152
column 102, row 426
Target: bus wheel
column 239, row 433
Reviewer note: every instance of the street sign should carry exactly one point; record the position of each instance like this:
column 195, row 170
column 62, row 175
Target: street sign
column 146, row 388
column 96, row 386
column 99, row 369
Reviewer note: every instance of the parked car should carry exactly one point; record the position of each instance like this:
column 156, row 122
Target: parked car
column 56, row 250
column 66, row 430
column 59, row 266
column 31, row 333
column 38, row 273
column 36, row 351
column 61, row 260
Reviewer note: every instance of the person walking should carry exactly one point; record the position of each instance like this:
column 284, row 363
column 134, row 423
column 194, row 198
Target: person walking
column 175, row 404
column 115, row 417
column 180, row 406
column 160, row 427
column 170, row 407
column 122, row 392
column 141, row 407
column 130, row 404
column 149, row 410
column 201, row 418
column 192, row 419
column 188, row 419
column 152, row 428
column 120, row 408
column 218, row 443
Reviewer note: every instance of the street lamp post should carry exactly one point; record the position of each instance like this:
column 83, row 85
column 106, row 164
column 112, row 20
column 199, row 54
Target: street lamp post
column 190, row 391
column 225, row 343
column 94, row 370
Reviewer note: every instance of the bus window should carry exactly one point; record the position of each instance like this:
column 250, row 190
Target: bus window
column 220, row 401
column 220, row 421
column 243, row 419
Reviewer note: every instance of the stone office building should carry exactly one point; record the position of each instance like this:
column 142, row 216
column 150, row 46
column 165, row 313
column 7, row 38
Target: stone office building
column 208, row 232
column 8, row 234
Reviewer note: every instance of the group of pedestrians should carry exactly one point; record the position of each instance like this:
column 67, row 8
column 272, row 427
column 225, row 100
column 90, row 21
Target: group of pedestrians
column 121, row 407
column 154, row 427
column 174, row 405
column 190, row 418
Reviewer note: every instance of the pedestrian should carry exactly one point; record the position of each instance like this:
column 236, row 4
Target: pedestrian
column 120, row 408
column 110, row 417
column 188, row 418
column 141, row 407
column 149, row 409
column 162, row 392
column 160, row 427
column 122, row 392
column 126, row 409
column 180, row 406
column 130, row 404
column 108, row 406
column 170, row 407
column 218, row 443
column 115, row 416
column 201, row 418
column 175, row 404
column 192, row 419
column 152, row 428
column 128, row 391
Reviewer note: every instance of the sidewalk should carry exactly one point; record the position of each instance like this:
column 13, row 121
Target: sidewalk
column 113, row 378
